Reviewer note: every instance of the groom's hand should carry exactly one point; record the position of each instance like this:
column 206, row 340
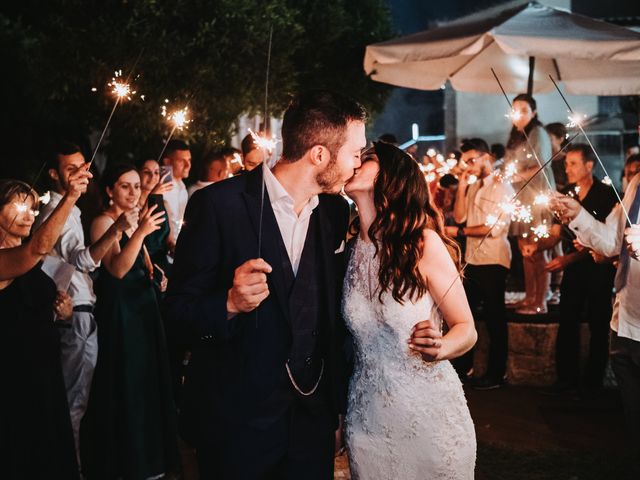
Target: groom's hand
column 249, row 286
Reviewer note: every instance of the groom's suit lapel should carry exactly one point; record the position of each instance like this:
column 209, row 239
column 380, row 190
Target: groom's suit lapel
column 270, row 249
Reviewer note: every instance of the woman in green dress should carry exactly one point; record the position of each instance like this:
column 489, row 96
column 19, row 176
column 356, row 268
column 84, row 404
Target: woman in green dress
column 130, row 428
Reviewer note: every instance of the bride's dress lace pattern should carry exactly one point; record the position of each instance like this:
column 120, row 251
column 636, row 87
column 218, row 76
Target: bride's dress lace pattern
column 407, row 419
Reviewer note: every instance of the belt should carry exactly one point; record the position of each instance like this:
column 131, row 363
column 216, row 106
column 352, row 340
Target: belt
column 83, row 308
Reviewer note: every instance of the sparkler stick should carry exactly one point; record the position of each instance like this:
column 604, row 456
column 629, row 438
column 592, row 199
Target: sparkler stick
column 533, row 150
column 576, row 120
column 122, row 91
column 256, row 139
column 497, row 220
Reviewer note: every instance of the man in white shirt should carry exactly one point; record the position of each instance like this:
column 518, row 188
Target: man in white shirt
column 177, row 156
column 609, row 240
column 488, row 253
column 78, row 341
column 215, row 167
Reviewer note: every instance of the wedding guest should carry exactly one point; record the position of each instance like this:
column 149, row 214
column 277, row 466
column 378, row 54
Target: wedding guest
column 585, row 292
column 631, row 168
column 130, row 427
column 78, row 340
column 529, row 145
column 215, row 167
column 487, row 254
column 252, row 154
column 611, row 238
column 36, row 439
column 153, row 188
column 177, row 155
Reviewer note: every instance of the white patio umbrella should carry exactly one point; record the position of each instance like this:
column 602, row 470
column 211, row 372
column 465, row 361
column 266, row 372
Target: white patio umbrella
column 524, row 45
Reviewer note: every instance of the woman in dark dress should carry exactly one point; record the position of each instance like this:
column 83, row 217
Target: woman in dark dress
column 130, row 426
column 36, row 440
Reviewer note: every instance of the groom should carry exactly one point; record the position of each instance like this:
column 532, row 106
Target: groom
column 267, row 381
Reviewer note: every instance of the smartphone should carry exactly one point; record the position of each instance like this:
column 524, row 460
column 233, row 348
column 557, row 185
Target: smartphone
column 164, row 170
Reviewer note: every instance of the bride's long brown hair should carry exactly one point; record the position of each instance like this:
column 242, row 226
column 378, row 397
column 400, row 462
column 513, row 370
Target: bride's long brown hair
column 404, row 208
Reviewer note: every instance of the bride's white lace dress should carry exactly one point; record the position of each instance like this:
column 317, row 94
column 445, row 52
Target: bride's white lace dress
column 406, row 419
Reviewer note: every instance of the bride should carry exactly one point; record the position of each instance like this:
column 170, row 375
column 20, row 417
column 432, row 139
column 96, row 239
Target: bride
column 407, row 416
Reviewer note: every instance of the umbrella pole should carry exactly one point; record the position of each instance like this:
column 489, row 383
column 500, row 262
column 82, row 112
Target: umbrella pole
column 532, row 67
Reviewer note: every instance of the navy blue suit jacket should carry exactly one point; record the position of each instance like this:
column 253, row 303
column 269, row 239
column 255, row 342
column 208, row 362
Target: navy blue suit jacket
column 237, row 371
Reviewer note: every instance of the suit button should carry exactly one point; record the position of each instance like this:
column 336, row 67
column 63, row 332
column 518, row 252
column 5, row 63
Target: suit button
column 309, row 361
column 314, row 333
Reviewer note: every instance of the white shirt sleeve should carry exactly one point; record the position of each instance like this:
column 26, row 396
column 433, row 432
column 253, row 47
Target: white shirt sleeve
column 71, row 248
column 605, row 238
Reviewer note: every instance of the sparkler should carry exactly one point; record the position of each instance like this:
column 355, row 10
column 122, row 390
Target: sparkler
column 578, row 123
column 472, row 179
column 540, row 231
column 541, row 199
column 122, row 91
column 179, row 120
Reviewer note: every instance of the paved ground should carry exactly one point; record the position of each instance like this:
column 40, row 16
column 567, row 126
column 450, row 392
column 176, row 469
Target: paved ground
column 525, row 435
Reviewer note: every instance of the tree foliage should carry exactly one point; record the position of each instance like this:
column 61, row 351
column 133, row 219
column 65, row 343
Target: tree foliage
column 208, row 54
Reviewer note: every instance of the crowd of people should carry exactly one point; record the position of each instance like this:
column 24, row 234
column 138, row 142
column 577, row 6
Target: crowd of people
column 497, row 204
column 108, row 310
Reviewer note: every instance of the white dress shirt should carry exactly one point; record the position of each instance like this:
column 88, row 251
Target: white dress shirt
column 175, row 202
column 483, row 208
column 70, row 248
column 606, row 239
column 293, row 228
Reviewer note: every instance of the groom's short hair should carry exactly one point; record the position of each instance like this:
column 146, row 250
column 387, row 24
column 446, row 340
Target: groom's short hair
column 317, row 117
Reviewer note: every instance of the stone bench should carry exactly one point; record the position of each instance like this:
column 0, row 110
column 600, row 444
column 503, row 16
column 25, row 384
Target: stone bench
column 531, row 359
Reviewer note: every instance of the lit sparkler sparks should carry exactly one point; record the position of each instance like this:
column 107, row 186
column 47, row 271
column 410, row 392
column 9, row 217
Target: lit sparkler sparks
column 510, row 169
column 517, row 211
column 523, row 214
column 540, row 231
column 265, row 143
column 493, row 221
column 514, row 114
column 472, row 179
column 576, row 120
column 606, row 180
column 178, row 118
column 541, row 199
column 121, row 89
column 46, row 198
column 431, row 152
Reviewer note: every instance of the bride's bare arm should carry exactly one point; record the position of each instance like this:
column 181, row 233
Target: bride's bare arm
column 445, row 287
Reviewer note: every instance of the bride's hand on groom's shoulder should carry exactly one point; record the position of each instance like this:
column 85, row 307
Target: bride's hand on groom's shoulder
column 426, row 340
